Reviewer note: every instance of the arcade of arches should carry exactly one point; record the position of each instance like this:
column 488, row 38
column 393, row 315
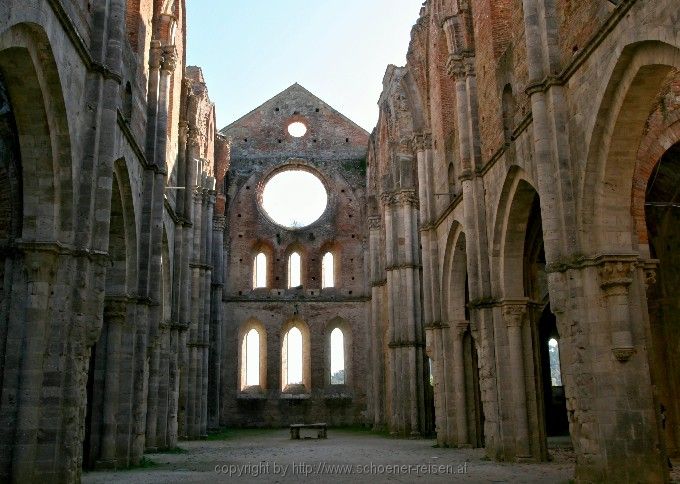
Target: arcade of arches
column 494, row 266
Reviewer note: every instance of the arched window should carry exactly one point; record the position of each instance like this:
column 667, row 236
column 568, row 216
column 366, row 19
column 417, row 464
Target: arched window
column 260, row 271
column 328, row 270
column 251, row 358
column 292, row 357
column 555, row 371
column 337, row 357
column 294, row 270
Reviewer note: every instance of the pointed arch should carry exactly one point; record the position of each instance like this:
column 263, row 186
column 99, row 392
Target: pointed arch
column 510, row 225
column 252, row 357
column 605, row 201
column 454, row 275
column 36, row 94
column 295, row 357
column 338, row 353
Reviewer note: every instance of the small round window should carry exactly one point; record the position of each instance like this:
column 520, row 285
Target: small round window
column 294, row 198
column 297, row 129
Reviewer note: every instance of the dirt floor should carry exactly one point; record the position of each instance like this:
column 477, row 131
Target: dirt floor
column 346, row 456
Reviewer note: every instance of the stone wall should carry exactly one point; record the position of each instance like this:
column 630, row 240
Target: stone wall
column 334, row 149
column 95, row 313
column 563, row 111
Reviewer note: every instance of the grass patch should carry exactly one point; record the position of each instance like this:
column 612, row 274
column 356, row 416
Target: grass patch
column 145, row 463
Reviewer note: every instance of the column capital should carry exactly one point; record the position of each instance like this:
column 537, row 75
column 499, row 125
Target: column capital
column 514, row 312
column 459, row 327
column 407, row 197
column 219, row 223
column 650, row 266
column 374, row 223
column 169, row 58
column 616, row 275
column 155, row 55
column 422, row 142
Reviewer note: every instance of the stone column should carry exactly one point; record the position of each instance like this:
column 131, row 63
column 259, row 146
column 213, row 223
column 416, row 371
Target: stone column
column 514, row 314
column 167, row 67
column 377, row 381
column 40, row 267
column 115, row 312
column 215, row 337
column 462, row 435
column 207, row 296
column 163, row 386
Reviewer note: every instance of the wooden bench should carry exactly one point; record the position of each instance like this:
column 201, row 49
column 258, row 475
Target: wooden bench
column 295, row 430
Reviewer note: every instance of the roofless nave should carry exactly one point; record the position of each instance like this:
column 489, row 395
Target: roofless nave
column 496, row 264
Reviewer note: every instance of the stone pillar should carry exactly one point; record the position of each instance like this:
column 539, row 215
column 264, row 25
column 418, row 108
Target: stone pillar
column 514, row 314
column 115, row 313
column 126, row 386
column 406, row 330
column 163, row 386
column 167, row 67
column 216, row 316
column 458, row 329
column 40, row 267
column 377, row 380
column 209, row 197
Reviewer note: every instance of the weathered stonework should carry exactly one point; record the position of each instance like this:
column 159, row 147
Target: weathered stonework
column 95, row 223
column 519, row 194
column 545, row 206
column 334, row 149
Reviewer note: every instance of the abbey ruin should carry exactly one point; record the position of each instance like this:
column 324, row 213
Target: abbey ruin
column 496, row 265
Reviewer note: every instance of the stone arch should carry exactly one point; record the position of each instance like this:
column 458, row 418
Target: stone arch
column 344, row 326
column 510, row 224
column 107, row 367
column 334, row 248
column 607, row 224
column 647, row 161
column 124, row 229
column 454, row 275
column 419, row 115
column 266, row 248
column 305, row 260
column 249, row 325
column 303, row 327
column 35, row 91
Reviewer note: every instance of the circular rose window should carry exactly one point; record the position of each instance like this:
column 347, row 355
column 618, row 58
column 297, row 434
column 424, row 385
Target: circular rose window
column 297, row 129
column 294, row 198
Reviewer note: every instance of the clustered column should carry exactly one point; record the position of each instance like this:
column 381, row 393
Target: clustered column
column 514, row 314
column 406, row 333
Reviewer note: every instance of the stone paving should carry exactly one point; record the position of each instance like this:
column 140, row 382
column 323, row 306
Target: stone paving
column 347, row 456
